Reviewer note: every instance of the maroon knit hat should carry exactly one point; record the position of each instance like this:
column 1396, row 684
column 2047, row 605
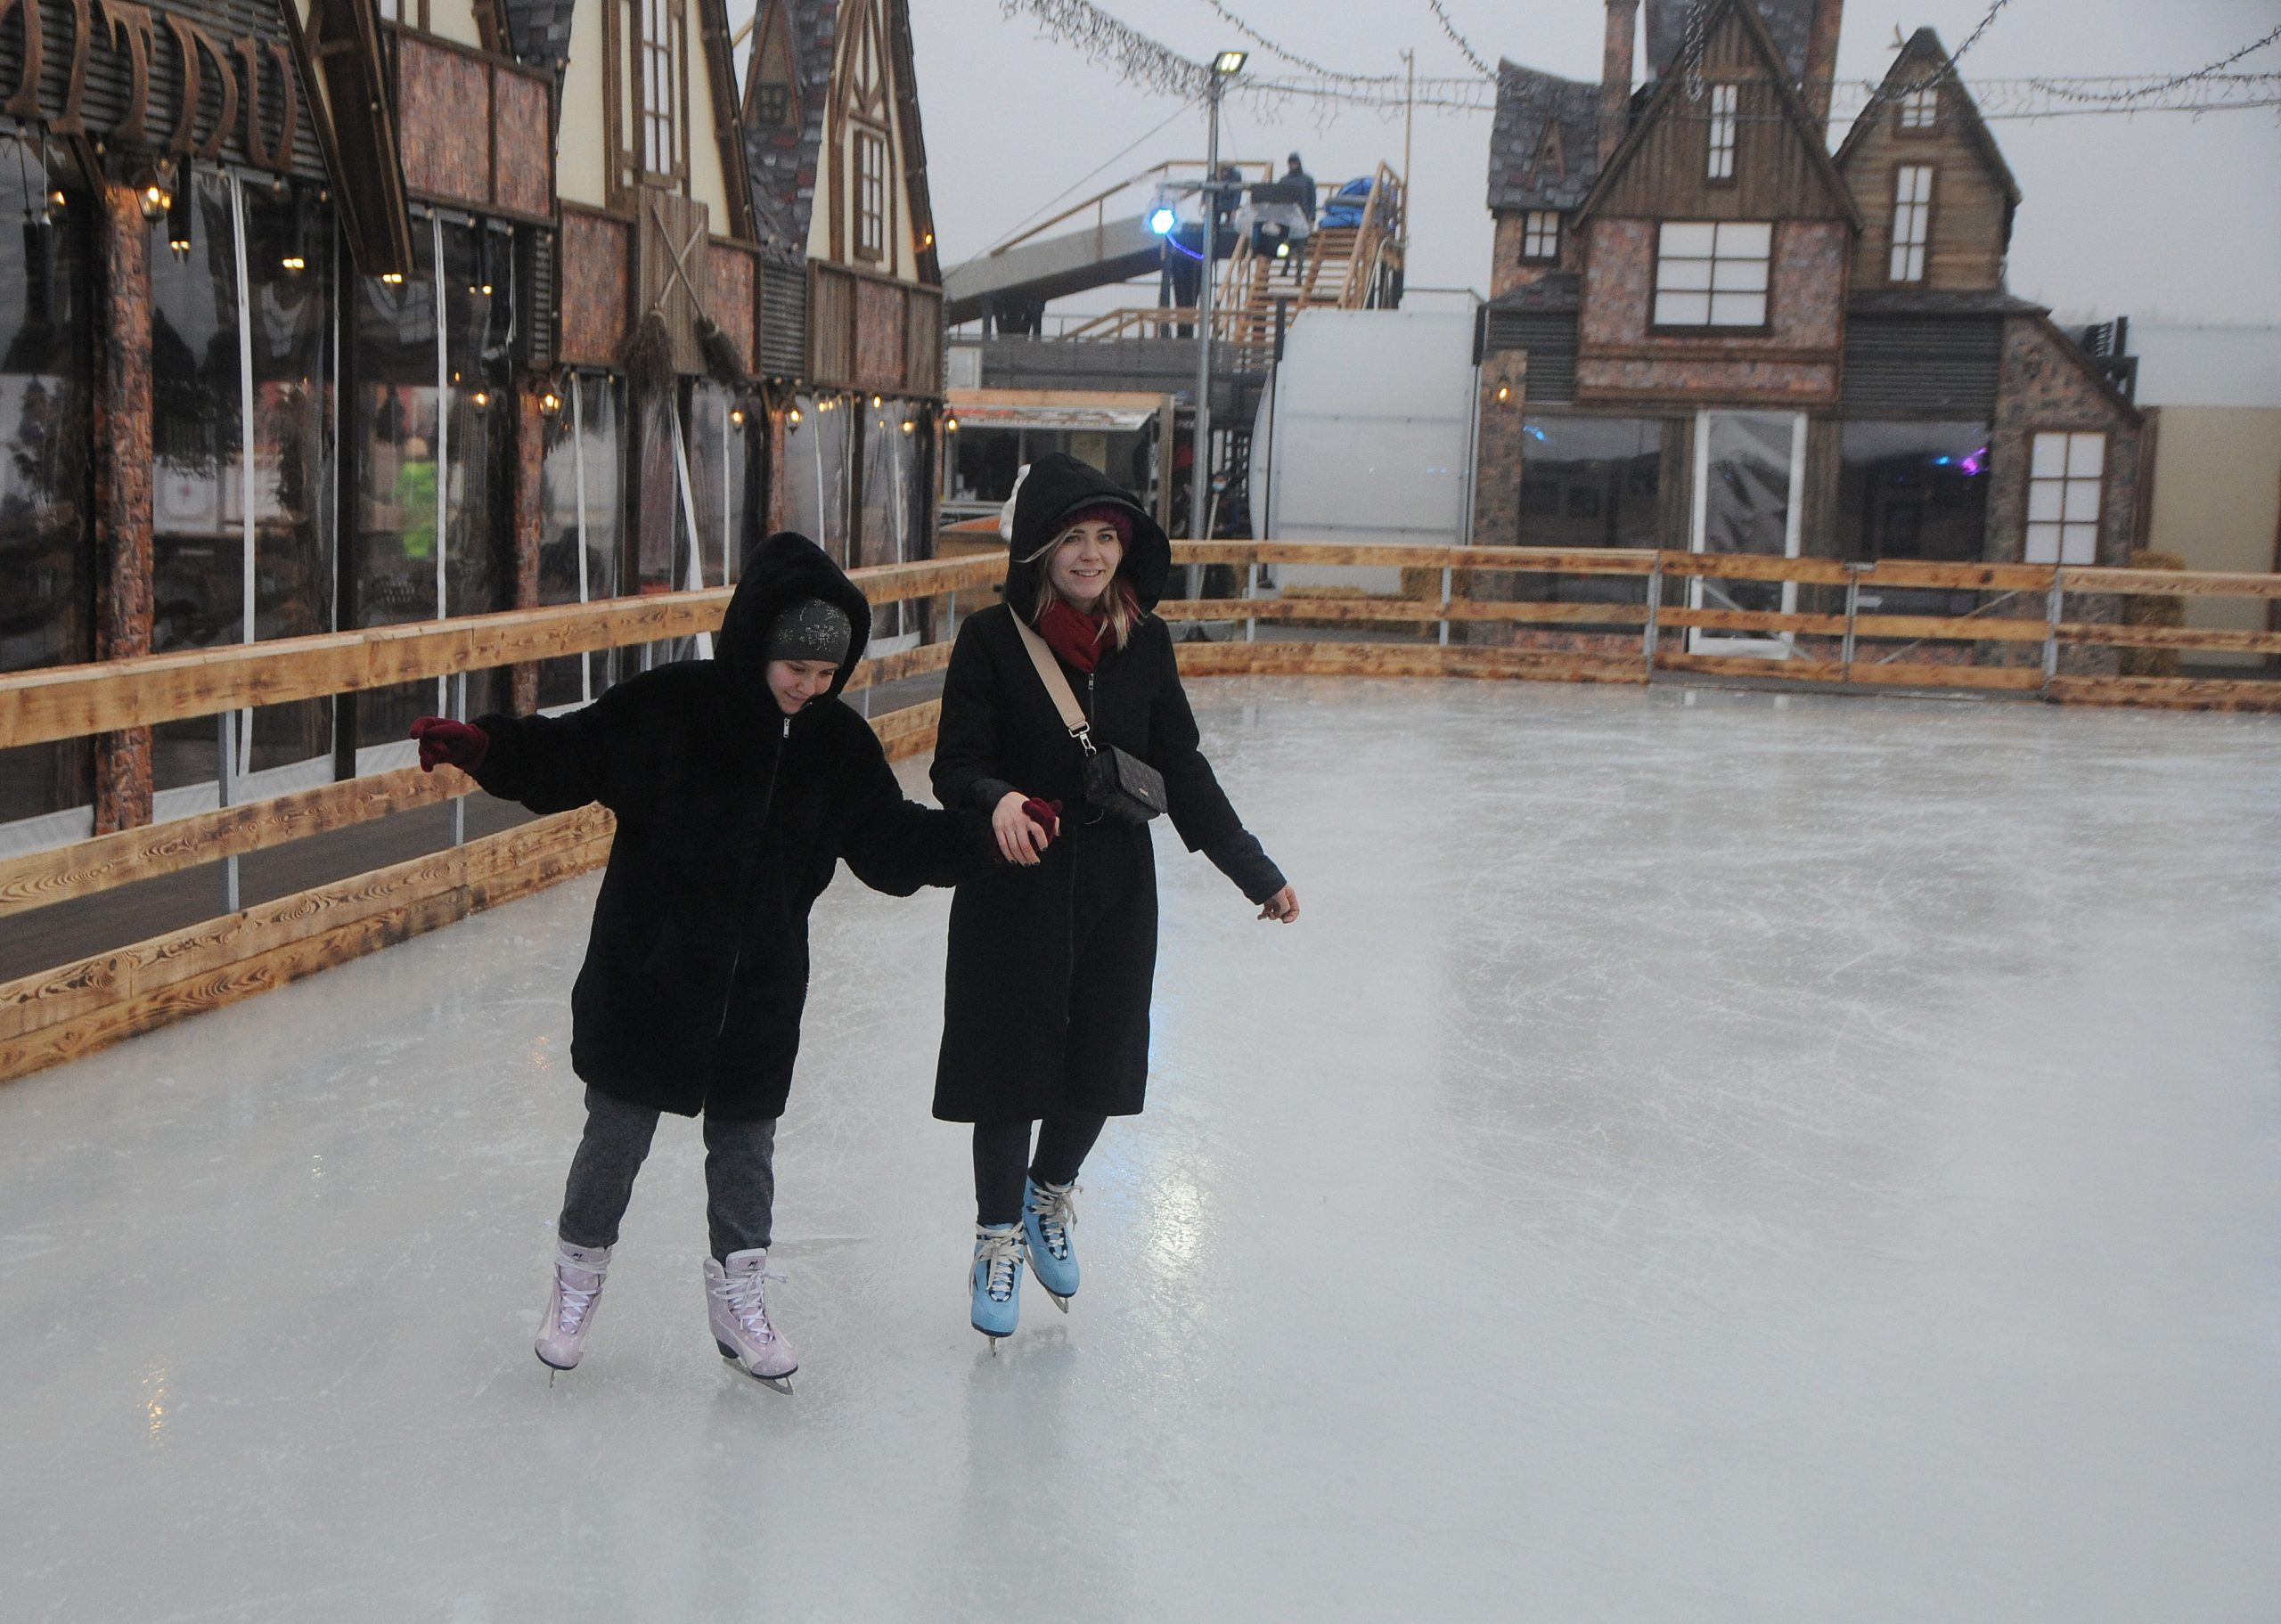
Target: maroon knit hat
column 1104, row 513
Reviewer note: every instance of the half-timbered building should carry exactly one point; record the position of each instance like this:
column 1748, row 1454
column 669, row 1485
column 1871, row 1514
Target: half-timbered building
column 1706, row 330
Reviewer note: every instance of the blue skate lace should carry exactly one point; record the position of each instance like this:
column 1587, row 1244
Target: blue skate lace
column 1057, row 1214
column 1001, row 1254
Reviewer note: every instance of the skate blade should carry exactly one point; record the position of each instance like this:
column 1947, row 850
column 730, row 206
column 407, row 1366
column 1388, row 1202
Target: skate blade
column 782, row 1384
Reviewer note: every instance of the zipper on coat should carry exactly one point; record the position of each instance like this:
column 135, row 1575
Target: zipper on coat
column 737, row 954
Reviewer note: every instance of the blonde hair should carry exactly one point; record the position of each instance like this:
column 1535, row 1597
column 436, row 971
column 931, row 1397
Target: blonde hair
column 1117, row 605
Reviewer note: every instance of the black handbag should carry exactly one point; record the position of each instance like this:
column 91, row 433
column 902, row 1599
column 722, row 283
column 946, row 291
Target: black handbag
column 1117, row 782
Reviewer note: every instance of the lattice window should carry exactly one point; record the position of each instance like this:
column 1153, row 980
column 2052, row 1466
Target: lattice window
column 658, row 52
column 1710, row 275
column 2066, row 487
column 1920, row 108
column 1912, row 222
column 771, row 106
column 1726, row 108
column 870, row 194
column 1541, row 235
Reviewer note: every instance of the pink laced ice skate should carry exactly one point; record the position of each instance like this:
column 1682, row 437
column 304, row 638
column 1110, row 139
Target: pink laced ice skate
column 578, row 1272
column 739, row 1309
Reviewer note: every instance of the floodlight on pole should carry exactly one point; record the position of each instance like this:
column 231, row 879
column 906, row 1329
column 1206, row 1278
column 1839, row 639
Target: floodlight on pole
column 1230, row 61
column 1224, row 66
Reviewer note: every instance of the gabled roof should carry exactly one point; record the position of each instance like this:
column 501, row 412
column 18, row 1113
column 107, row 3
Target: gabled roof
column 1673, row 86
column 783, row 162
column 1539, row 115
column 1789, row 23
column 1923, row 56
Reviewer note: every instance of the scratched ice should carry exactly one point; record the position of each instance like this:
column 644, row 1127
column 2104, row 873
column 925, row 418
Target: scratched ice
column 1705, row 1157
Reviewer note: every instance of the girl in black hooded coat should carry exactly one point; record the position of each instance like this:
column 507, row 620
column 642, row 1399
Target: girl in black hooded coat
column 1045, row 1009
column 738, row 784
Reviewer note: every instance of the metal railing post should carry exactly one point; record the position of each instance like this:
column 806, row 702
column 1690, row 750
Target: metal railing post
column 1853, row 573
column 1251, row 591
column 459, row 801
column 1655, row 612
column 2051, row 613
column 1447, row 572
column 226, row 787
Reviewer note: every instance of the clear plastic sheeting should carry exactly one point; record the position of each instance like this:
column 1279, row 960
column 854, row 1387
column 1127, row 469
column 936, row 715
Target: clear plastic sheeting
column 1747, row 490
column 1722, row 1158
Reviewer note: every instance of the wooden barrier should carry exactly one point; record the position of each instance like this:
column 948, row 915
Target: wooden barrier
column 76, row 1008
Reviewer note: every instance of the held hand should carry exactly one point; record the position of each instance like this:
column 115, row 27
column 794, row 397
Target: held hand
column 1283, row 907
column 462, row 744
column 1020, row 838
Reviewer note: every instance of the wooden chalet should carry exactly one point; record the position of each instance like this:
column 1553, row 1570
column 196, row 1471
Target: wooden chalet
column 330, row 315
column 1707, row 331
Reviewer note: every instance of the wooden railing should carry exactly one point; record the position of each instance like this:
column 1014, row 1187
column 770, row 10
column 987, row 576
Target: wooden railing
column 76, row 1008
column 2016, row 639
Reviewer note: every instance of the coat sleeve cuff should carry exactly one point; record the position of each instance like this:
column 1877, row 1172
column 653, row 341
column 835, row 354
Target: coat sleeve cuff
column 1240, row 857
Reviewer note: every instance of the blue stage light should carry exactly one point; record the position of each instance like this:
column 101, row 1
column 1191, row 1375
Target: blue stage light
column 1161, row 222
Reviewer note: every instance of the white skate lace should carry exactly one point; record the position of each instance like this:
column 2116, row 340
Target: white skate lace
column 1057, row 1215
column 1001, row 1254
column 748, row 1308
column 577, row 1300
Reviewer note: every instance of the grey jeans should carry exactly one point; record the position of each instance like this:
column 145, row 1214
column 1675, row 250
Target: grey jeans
column 740, row 1176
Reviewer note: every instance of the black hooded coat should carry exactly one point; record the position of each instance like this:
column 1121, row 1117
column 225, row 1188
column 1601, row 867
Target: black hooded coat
column 730, row 818
column 1045, row 1007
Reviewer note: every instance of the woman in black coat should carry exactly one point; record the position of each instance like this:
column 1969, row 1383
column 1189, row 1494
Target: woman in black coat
column 1045, row 1010
column 739, row 783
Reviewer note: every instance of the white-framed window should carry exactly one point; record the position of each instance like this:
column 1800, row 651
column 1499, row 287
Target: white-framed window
column 2066, row 486
column 1726, row 106
column 1710, row 276
column 1541, row 234
column 1912, row 222
column 1920, row 108
column 659, row 59
column 870, row 194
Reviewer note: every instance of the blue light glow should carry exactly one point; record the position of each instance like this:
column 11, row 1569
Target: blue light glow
column 1160, row 221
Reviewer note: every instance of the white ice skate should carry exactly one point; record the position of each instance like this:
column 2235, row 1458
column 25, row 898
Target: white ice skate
column 578, row 1272
column 740, row 1313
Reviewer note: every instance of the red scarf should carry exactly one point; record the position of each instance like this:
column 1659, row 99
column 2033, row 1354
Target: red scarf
column 1079, row 639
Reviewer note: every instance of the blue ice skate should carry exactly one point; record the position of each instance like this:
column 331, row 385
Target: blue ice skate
column 996, row 1277
column 1048, row 1215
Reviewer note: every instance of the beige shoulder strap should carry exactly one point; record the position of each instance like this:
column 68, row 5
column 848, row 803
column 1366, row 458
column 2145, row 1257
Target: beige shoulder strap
column 1056, row 686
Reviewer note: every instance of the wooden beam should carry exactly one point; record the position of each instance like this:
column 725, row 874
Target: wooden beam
column 2170, row 637
column 2167, row 693
column 1422, row 610
column 62, row 873
column 1896, row 674
column 2172, row 583
column 1401, row 660
column 896, row 667
column 72, row 701
column 60, row 1015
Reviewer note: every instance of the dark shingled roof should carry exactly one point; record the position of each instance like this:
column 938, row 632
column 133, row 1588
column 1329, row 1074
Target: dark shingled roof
column 1937, row 301
column 1527, row 101
column 1790, row 21
column 1554, row 290
column 538, row 32
column 783, row 162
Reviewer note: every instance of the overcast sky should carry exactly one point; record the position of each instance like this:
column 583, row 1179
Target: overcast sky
column 2157, row 214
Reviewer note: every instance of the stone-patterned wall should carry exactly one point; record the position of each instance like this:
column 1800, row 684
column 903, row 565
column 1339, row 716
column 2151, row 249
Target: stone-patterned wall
column 445, row 117
column 1797, row 363
column 1507, row 270
column 123, row 450
column 728, row 276
column 593, row 280
column 1497, row 453
column 523, row 127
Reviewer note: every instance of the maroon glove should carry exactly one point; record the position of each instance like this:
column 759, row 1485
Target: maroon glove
column 1045, row 815
column 462, row 744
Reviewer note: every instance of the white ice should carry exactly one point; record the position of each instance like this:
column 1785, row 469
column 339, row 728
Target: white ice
column 1701, row 1157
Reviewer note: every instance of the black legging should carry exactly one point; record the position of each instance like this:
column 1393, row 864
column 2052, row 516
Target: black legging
column 1002, row 1160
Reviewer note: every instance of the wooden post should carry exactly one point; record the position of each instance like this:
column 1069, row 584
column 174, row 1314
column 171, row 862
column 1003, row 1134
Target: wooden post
column 123, row 451
column 530, row 517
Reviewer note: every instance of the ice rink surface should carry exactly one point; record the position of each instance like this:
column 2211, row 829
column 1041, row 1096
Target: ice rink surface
column 1702, row 1156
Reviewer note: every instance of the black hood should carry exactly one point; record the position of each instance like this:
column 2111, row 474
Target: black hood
column 1056, row 486
column 786, row 569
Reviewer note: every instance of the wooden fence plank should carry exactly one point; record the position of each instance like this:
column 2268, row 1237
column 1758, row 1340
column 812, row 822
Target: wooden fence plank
column 2167, row 693
column 2172, row 583
column 75, row 701
column 1401, row 660
column 90, row 866
column 1421, row 610
column 2170, row 637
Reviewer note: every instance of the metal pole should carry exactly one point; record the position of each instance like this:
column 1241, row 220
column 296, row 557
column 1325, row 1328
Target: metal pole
column 1446, row 583
column 1852, row 614
column 459, row 801
column 1200, row 475
column 1655, row 608
column 2052, row 610
column 226, row 787
column 1409, row 112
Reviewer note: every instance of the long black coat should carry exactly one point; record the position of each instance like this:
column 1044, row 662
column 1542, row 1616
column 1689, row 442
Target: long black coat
column 1045, row 1007
column 730, row 818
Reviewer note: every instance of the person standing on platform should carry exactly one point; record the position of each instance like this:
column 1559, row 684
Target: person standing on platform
column 739, row 783
column 1045, row 1005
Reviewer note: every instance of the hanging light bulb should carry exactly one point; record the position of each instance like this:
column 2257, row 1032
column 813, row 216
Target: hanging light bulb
column 55, row 198
column 550, row 402
column 950, row 425
column 875, row 403
column 793, row 417
column 908, row 425
column 482, row 397
column 737, row 416
column 394, row 279
column 298, row 233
